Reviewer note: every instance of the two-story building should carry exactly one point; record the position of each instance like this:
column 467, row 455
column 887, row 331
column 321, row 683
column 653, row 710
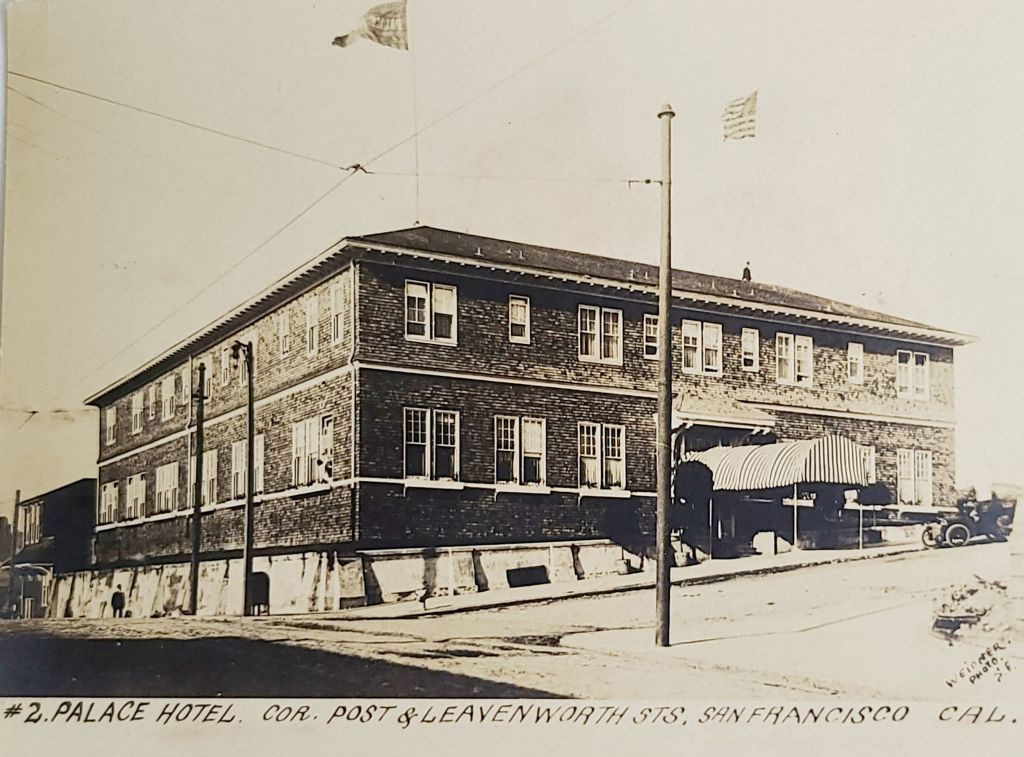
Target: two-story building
column 422, row 396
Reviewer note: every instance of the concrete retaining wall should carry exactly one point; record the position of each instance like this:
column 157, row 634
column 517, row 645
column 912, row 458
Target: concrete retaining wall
column 307, row 582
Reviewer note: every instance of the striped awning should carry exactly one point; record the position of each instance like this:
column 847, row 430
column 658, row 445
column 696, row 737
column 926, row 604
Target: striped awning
column 826, row 460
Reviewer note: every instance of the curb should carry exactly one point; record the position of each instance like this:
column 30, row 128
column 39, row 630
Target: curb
column 649, row 584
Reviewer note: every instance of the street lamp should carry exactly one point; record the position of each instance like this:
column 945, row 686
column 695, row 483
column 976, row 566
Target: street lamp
column 245, row 349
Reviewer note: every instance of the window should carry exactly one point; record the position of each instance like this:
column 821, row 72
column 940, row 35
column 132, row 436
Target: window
column 912, row 374
column 151, row 401
column 794, row 359
column 209, row 490
column 208, row 380
column 337, row 311
column 650, row 336
column 519, row 450
column 239, row 460
column 283, row 329
column 869, row 463
column 855, row 362
column 111, row 425
column 804, row 360
column 312, row 451
column 225, row 365
column 137, row 403
column 167, row 398
column 702, row 347
column 312, row 316
column 600, row 334
column 519, row 319
column 166, row 488
column 750, row 341
column 602, row 456
column 430, row 312
column 31, row 531
column 914, row 477
column 136, row 504
column 243, row 370
column 431, row 444
column 108, row 503
column 257, row 465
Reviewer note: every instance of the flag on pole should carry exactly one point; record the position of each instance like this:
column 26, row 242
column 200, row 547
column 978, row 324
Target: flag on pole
column 383, row 24
column 740, row 117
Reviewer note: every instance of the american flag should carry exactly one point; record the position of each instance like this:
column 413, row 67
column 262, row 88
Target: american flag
column 740, row 117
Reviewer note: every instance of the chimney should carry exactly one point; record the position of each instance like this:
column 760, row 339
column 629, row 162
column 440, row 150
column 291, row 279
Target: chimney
column 746, row 271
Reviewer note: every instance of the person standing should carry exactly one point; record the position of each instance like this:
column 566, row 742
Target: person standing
column 117, row 602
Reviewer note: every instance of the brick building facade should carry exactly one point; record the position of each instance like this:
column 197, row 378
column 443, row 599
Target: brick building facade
column 429, row 389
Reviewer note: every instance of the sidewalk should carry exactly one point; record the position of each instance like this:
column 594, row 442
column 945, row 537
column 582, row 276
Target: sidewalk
column 706, row 572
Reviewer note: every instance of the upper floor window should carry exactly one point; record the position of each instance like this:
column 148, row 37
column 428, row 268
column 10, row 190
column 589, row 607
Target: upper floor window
column 312, row 319
column 337, row 312
column 225, row 365
column 855, row 362
column 602, row 458
column 431, row 444
column 312, row 451
column 914, row 477
column 702, row 347
column 519, row 319
column 283, row 332
column 912, row 374
column 519, row 450
column 243, row 368
column 240, row 467
column 600, row 334
column 209, row 490
column 650, row 336
column 111, row 425
column 136, row 503
column 794, row 359
column 32, row 530
column 137, row 403
column 108, row 503
column 430, row 312
column 167, row 397
column 151, row 401
column 750, row 341
column 166, row 488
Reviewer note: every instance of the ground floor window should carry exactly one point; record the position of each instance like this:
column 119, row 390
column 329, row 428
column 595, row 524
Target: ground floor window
column 602, row 461
column 914, row 477
column 431, row 444
column 519, row 447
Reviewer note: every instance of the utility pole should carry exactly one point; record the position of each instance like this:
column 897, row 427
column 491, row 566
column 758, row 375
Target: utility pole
column 664, row 442
column 197, row 493
column 250, row 474
column 14, row 550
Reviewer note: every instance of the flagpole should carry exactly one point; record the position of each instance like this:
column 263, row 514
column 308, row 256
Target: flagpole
column 664, row 442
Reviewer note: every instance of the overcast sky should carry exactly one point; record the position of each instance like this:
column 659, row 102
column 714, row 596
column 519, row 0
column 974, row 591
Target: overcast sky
column 886, row 171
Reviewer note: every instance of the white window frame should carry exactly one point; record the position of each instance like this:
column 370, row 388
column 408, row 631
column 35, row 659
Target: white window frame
column 923, row 471
column 430, row 312
column 111, row 425
column 135, row 504
column 803, row 377
column 283, row 332
column 785, row 351
column 239, row 460
column 167, row 488
column 225, row 365
column 913, row 381
column 524, row 302
column 600, row 438
column 651, row 340
column 518, row 451
column 208, row 495
column 870, row 462
column 151, row 401
column 138, row 403
column 855, row 363
column 312, row 451
column 699, row 333
column 599, row 335
column 108, row 508
column 337, row 312
column 258, row 459
column 168, row 397
column 750, row 347
column 312, row 332
column 430, row 460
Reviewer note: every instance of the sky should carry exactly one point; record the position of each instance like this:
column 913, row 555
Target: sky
column 886, row 171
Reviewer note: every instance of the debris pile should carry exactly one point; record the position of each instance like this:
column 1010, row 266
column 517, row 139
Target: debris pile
column 974, row 612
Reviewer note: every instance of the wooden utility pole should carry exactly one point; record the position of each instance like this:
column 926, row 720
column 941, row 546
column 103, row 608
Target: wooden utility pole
column 664, row 442
column 14, row 551
column 250, row 476
column 199, row 396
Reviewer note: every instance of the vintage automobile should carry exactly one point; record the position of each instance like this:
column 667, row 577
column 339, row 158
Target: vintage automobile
column 990, row 519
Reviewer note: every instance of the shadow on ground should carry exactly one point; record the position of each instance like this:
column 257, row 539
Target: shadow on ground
column 32, row 665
